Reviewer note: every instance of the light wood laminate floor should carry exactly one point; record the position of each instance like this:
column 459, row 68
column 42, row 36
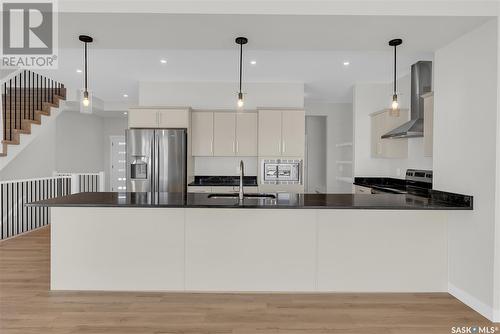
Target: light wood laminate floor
column 27, row 306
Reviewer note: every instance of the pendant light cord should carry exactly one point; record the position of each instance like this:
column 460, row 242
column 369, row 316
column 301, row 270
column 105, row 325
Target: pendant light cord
column 395, row 69
column 85, row 56
column 241, row 63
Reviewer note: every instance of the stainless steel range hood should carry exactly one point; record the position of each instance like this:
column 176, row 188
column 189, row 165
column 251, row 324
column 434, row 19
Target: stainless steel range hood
column 421, row 83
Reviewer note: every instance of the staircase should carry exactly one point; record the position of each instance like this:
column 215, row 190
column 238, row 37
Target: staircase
column 26, row 98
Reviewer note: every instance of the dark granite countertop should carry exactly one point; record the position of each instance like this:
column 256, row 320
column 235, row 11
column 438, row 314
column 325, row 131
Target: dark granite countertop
column 223, row 181
column 282, row 200
column 420, row 189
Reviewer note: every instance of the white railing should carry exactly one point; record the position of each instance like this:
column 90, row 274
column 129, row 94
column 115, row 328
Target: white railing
column 84, row 182
column 17, row 218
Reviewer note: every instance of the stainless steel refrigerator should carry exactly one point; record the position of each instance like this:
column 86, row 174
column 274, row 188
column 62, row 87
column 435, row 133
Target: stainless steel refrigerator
column 156, row 160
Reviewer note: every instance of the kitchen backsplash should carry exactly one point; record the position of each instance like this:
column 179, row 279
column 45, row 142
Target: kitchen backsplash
column 224, row 165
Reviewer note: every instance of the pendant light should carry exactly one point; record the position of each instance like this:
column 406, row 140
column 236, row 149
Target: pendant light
column 86, row 99
column 241, row 41
column 395, row 103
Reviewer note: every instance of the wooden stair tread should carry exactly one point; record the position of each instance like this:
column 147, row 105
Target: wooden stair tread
column 10, row 142
column 14, row 113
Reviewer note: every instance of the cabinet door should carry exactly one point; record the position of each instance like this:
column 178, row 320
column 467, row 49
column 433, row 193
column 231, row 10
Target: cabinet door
column 293, row 133
column 269, row 133
column 173, row 118
column 143, row 118
column 202, row 139
column 224, row 134
column 395, row 148
column 246, row 134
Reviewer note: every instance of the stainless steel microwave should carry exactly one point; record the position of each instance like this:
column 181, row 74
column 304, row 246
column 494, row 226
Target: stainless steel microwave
column 281, row 171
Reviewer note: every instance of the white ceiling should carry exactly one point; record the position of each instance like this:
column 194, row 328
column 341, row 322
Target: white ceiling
column 265, row 32
column 128, row 49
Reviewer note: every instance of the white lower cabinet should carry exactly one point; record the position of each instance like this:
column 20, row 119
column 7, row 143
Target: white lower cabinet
column 250, row 250
column 117, row 249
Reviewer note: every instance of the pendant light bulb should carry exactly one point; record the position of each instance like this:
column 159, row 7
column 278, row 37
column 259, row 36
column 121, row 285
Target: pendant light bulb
column 85, row 100
column 395, row 104
column 240, row 100
column 85, row 40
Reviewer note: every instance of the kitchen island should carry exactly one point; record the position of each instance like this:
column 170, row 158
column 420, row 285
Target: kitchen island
column 294, row 242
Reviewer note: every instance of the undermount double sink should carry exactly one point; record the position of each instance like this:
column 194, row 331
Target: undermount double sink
column 235, row 195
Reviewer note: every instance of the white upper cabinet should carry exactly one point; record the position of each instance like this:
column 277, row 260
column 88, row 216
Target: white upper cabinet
column 246, row 134
column 269, row 132
column 202, row 139
column 224, row 134
column 158, row 118
column 293, row 133
column 143, row 118
column 381, row 123
column 281, row 133
column 173, row 118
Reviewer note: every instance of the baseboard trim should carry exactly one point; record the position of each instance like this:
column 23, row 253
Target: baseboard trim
column 474, row 303
column 496, row 316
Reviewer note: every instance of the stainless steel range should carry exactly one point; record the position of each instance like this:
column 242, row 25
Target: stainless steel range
column 416, row 181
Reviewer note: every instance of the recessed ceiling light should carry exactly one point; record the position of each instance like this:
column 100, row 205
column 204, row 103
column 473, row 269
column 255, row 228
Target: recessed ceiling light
column 163, row 61
column 125, row 113
column 346, row 63
column 125, row 95
column 78, row 70
column 253, row 62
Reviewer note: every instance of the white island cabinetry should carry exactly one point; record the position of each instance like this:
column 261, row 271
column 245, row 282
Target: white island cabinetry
column 245, row 249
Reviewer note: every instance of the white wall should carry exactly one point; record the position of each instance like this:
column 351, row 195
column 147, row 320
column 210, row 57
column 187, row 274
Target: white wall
column 220, row 95
column 338, row 130
column 224, row 165
column 79, row 143
column 38, row 159
column 315, row 159
column 372, row 97
column 75, row 142
column 465, row 144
